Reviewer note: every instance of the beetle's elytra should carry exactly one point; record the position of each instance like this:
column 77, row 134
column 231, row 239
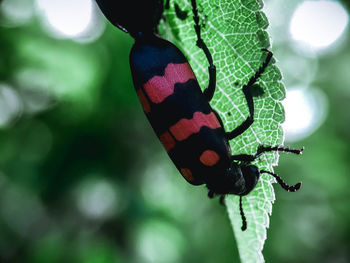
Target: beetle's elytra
column 190, row 130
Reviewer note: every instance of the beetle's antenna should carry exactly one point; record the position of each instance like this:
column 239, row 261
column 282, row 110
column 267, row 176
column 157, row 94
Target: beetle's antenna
column 263, row 149
column 289, row 188
column 244, row 220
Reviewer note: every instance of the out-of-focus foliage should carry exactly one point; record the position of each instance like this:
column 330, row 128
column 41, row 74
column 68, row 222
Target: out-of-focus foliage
column 84, row 179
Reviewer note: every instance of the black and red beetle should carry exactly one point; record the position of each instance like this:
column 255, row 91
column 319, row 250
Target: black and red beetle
column 189, row 129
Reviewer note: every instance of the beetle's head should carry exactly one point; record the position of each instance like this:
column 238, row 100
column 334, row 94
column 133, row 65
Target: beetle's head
column 251, row 175
column 241, row 179
column 237, row 180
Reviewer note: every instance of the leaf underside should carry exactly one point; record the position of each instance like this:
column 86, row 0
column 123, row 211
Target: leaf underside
column 234, row 31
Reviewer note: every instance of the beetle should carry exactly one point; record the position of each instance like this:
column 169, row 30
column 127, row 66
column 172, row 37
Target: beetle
column 180, row 114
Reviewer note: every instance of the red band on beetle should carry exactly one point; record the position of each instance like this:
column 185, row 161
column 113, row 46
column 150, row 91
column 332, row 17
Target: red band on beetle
column 185, row 127
column 144, row 102
column 187, row 174
column 159, row 88
column 209, row 158
column 167, row 140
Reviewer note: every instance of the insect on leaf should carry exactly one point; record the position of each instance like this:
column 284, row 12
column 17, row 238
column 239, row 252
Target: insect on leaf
column 234, row 31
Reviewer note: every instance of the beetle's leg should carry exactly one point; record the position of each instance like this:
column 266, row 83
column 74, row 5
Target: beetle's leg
column 208, row 92
column 167, row 4
column 261, row 70
column 250, row 119
column 211, row 194
column 222, row 200
column 249, row 98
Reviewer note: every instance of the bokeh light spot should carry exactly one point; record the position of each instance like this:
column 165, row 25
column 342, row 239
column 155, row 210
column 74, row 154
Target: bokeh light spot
column 10, row 105
column 305, row 110
column 159, row 242
column 69, row 18
column 318, row 23
column 97, row 199
column 16, row 12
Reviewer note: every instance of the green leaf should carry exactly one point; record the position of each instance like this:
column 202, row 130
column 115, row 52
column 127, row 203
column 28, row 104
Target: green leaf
column 234, row 31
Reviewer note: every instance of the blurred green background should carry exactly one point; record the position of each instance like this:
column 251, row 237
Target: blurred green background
column 84, row 179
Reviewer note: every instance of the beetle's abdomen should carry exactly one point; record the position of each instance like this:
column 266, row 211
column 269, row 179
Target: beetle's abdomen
column 177, row 110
